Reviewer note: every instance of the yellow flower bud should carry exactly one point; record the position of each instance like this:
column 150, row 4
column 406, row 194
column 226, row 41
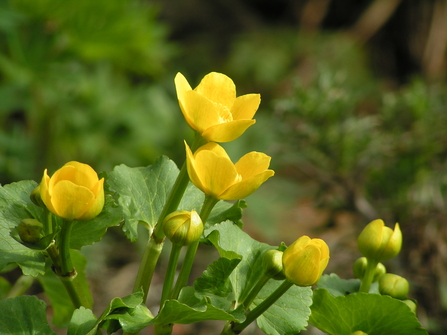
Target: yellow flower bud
column 305, row 260
column 360, row 268
column 212, row 108
column 378, row 242
column 212, row 171
column 30, row 230
column 73, row 192
column 359, row 332
column 183, row 227
column 394, row 286
column 272, row 263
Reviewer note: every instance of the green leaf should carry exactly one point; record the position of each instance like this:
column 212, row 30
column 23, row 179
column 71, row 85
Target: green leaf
column 190, row 309
column 60, row 300
column 373, row 314
column 24, row 315
column 82, row 321
column 89, row 232
column 224, row 211
column 215, row 283
column 337, row 286
column 5, row 287
column 142, row 193
column 289, row 314
column 16, row 205
column 127, row 312
column 233, row 243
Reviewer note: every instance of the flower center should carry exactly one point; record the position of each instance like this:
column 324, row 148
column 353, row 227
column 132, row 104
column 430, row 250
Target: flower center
column 224, row 114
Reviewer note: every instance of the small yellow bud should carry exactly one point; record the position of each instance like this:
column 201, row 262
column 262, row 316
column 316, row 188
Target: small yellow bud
column 272, row 263
column 183, row 227
column 30, row 230
column 359, row 332
column 378, row 242
column 360, row 268
column 305, row 260
column 394, row 286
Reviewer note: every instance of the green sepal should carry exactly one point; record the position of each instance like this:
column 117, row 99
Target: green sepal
column 344, row 315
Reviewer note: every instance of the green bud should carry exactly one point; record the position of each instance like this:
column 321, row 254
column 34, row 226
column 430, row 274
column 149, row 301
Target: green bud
column 360, row 268
column 272, row 263
column 30, row 230
column 378, row 242
column 394, row 286
column 36, row 198
column 183, row 227
column 359, row 332
column 411, row 304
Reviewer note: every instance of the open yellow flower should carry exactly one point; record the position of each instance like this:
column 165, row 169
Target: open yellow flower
column 305, row 260
column 212, row 108
column 213, row 172
column 73, row 192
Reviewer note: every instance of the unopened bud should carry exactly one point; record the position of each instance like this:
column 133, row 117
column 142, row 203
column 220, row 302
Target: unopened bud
column 360, row 268
column 30, row 230
column 394, row 286
column 411, row 304
column 272, row 263
column 183, row 227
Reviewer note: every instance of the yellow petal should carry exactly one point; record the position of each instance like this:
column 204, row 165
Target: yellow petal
column 252, row 164
column 214, row 147
column 181, row 86
column 245, row 187
column 216, row 173
column 45, row 192
column 191, row 166
column 199, row 112
column 304, row 270
column 218, row 88
column 78, row 173
column 97, row 204
column 228, row 131
column 71, row 201
column 245, row 106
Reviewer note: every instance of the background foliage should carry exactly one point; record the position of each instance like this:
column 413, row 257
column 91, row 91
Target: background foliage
column 353, row 111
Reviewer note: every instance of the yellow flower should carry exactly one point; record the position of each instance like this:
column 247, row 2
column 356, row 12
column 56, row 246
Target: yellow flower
column 305, row 260
column 213, row 172
column 378, row 242
column 73, row 192
column 212, row 108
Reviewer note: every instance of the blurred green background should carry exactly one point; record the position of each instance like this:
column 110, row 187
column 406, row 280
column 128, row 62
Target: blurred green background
column 353, row 113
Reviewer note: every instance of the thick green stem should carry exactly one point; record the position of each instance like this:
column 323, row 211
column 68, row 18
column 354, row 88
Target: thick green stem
column 170, row 273
column 20, row 287
column 67, row 268
column 156, row 240
column 188, row 262
column 369, row 275
column 261, row 308
column 255, row 290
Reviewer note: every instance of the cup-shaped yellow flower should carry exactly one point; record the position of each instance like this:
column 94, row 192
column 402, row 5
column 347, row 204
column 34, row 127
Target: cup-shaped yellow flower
column 305, row 260
column 378, row 242
column 212, row 108
column 73, row 192
column 212, row 171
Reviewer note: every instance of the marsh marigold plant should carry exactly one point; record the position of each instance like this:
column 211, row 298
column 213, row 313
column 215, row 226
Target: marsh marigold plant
column 212, row 108
column 212, row 171
column 74, row 192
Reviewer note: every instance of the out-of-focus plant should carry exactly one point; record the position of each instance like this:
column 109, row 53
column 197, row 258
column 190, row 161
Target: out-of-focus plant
column 66, row 85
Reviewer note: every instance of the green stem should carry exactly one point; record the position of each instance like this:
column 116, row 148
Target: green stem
column 155, row 243
column 170, row 273
column 255, row 290
column 20, row 287
column 67, row 268
column 262, row 307
column 188, row 262
column 369, row 275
